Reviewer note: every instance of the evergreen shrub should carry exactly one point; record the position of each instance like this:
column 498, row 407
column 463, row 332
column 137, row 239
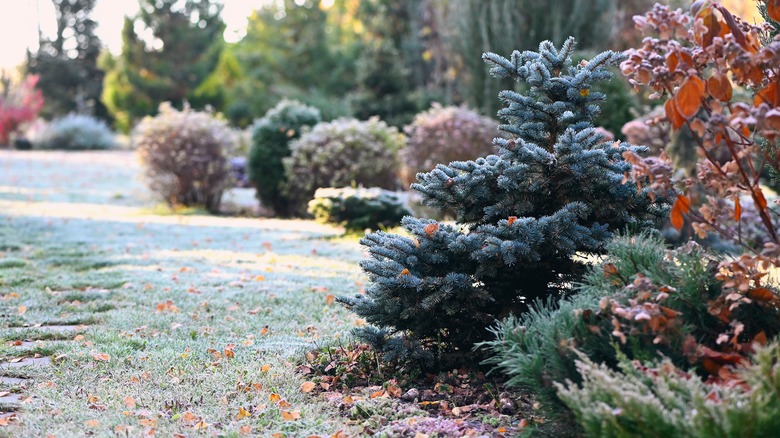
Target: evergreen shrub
column 445, row 134
column 660, row 399
column 271, row 137
column 554, row 189
column 75, row 132
column 341, row 153
column 185, row 156
column 357, row 209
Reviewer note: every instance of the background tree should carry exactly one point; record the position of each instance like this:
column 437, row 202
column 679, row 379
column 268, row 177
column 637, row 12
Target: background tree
column 502, row 26
column 168, row 49
column 66, row 64
column 297, row 50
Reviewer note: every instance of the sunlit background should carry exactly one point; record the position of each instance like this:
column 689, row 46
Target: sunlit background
column 19, row 24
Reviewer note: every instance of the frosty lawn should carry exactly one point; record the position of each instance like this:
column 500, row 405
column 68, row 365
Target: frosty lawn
column 186, row 324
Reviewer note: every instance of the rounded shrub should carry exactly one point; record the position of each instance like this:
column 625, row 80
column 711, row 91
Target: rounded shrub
column 271, row 137
column 443, row 135
column 357, row 209
column 341, row 153
column 75, row 132
column 185, row 155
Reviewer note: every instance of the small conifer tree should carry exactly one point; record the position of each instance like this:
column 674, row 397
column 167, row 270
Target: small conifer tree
column 554, row 189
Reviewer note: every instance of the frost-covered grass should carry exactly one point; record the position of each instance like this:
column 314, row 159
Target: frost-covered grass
column 163, row 296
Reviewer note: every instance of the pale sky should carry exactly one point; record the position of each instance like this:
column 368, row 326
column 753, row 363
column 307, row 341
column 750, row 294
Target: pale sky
column 19, row 24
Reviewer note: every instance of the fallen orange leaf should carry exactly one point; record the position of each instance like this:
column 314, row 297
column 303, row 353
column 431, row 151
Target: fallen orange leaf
column 148, row 422
column 102, row 357
column 329, row 299
column 394, row 391
column 307, row 386
column 189, row 417
column 22, row 309
column 92, row 423
column 242, row 413
column 265, row 368
column 129, row 402
column 274, row 397
column 291, row 415
column 167, row 306
column 284, row 404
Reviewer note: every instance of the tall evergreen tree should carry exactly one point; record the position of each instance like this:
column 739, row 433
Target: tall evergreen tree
column 502, row 26
column 292, row 49
column 168, row 49
column 555, row 188
column 66, row 64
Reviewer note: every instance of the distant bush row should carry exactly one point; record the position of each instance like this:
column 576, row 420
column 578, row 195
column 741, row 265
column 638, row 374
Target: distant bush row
column 292, row 153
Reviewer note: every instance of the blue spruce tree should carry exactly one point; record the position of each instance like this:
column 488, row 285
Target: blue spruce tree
column 555, row 188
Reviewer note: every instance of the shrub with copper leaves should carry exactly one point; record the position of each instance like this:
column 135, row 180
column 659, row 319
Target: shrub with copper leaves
column 185, row 156
column 694, row 63
column 442, row 135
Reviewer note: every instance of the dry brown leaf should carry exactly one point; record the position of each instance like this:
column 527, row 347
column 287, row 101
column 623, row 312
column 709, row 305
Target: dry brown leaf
column 242, row 413
column 189, row 417
column 274, row 397
column 291, row 415
column 167, row 306
column 673, row 115
column 101, row 357
column 689, row 97
column 329, row 299
column 394, row 391
column 307, row 386
column 719, row 87
column 148, row 422
column 681, row 206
